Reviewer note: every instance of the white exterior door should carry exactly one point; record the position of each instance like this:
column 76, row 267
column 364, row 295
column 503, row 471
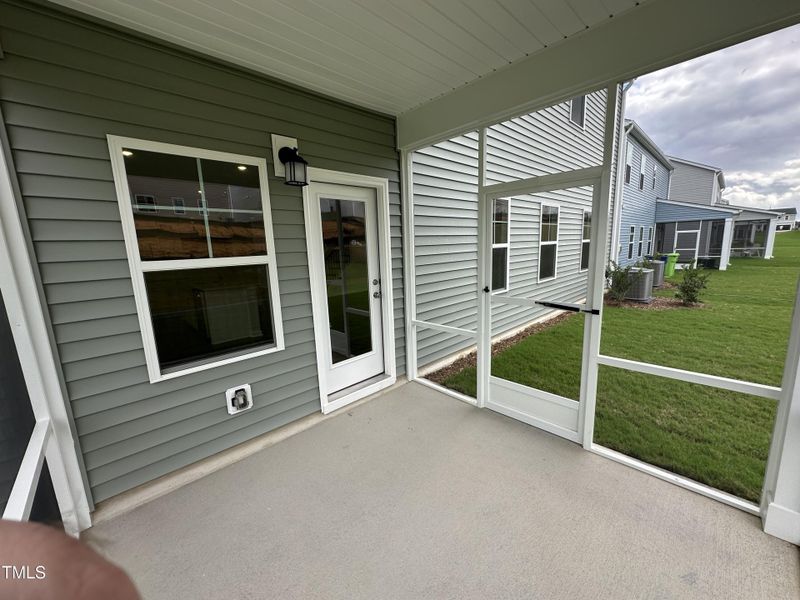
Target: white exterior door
column 346, row 253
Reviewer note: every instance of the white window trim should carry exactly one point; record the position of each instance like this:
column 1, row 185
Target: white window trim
column 650, row 232
column 583, row 239
column 642, row 169
column 627, row 174
column 640, row 247
column 138, row 267
column 655, row 174
column 506, row 245
column 631, row 241
column 582, row 124
column 552, row 243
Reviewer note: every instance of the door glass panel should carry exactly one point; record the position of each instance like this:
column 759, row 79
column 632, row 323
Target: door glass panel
column 344, row 243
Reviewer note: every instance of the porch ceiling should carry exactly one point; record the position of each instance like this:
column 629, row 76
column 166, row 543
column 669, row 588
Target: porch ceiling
column 387, row 55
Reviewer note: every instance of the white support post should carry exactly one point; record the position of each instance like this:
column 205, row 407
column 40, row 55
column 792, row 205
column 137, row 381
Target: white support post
column 409, row 264
column 598, row 249
column 780, row 501
column 727, row 241
column 484, row 325
column 770, row 242
column 26, row 315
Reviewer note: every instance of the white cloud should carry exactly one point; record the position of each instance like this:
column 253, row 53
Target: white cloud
column 765, row 189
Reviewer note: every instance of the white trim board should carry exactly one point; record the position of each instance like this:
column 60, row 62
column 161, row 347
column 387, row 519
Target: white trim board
column 321, row 328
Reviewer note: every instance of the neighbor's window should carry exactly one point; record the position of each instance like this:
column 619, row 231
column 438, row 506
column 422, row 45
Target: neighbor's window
column 500, row 244
column 548, row 242
column 655, row 173
column 641, row 241
column 631, row 237
column 201, row 254
column 577, row 110
column 642, row 167
column 650, row 241
column 628, row 162
column 587, row 236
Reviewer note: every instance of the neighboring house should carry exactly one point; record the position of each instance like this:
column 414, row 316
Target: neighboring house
column 787, row 218
column 645, row 178
column 682, row 202
column 540, row 242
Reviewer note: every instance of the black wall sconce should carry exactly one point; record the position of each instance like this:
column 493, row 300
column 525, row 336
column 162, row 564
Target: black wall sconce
column 295, row 165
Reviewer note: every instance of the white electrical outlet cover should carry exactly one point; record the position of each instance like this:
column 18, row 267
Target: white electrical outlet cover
column 231, row 392
column 278, row 142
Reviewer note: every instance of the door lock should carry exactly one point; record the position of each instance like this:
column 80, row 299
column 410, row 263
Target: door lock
column 376, row 281
column 376, row 294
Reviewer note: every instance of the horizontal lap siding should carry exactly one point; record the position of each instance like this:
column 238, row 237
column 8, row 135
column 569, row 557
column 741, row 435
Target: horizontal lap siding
column 692, row 184
column 667, row 213
column 64, row 85
column 445, row 197
column 639, row 206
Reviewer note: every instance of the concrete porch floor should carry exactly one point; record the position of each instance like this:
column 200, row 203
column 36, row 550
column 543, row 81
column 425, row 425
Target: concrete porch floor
column 417, row 495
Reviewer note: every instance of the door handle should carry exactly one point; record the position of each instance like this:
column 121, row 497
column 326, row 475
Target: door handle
column 376, row 294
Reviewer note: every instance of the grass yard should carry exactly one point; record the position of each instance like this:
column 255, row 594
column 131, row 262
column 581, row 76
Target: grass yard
column 717, row 437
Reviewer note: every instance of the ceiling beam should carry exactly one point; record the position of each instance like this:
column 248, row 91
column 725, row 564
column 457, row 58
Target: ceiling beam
column 657, row 34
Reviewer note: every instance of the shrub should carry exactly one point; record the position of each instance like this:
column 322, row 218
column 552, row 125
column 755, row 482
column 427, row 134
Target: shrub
column 619, row 281
column 693, row 282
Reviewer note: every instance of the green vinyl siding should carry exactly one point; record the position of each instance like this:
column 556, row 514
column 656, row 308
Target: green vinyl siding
column 65, row 83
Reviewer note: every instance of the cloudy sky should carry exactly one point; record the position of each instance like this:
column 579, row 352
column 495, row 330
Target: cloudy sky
column 738, row 109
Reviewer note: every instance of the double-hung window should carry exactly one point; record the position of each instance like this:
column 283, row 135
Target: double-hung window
column 500, row 244
column 577, row 110
column 586, row 239
column 631, row 238
column 548, row 242
column 202, row 255
column 641, row 241
column 655, row 174
column 628, row 161
column 642, row 169
column 650, row 241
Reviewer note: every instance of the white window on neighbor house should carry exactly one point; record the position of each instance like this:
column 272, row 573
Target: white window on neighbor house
column 586, row 239
column 204, row 273
column 501, row 248
column 655, row 174
column 628, row 162
column 642, row 170
column 650, row 241
column 641, row 241
column 548, row 242
column 577, row 110
column 631, row 240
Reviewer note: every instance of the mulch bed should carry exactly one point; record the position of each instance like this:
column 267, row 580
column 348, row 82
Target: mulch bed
column 657, row 303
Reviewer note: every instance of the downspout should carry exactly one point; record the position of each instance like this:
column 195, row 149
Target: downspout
column 621, row 150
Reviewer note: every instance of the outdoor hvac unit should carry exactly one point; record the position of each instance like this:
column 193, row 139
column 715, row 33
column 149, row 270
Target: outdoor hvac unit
column 642, row 285
column 658, row 273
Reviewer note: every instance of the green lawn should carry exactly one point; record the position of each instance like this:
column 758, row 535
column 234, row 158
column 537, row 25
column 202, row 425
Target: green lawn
column 717, row 437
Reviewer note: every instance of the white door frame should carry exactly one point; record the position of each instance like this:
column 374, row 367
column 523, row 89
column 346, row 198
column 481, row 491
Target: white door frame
column 316, row 273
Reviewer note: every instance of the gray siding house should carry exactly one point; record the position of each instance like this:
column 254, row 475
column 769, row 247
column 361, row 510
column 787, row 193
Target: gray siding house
column 540, row 242
column 645, row 177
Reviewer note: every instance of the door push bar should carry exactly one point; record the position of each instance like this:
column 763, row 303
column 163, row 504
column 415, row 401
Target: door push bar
column 569, row 307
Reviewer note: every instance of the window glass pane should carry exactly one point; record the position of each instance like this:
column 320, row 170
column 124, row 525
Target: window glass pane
column 154, row 179
column 549, row 229
column 500, row 209
column 500, row 234
column 200, row 314
column 347, row 277
column 235, row 217
column 547, row 261
column 576, row 110
column 499, row 263
column 585, row 255
column 587, row 225
column 181, row 212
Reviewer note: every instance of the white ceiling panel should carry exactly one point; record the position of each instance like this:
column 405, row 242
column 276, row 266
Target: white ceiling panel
column 386, row 55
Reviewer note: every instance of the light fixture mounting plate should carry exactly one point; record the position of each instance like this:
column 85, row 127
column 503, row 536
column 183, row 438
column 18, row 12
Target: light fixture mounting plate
column 278, row 142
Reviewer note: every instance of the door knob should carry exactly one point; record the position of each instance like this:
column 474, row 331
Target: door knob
column 376, row 294
column 375, row 281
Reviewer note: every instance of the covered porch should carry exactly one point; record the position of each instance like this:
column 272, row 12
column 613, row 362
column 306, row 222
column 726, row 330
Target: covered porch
column 414, row 494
